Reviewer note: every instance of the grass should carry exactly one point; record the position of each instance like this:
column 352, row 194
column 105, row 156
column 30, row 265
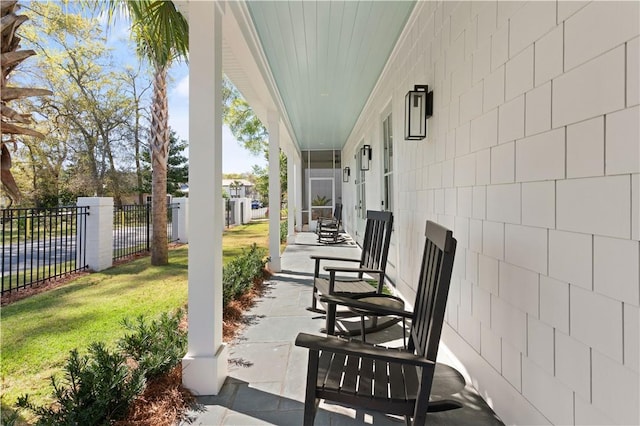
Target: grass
column 38, row 332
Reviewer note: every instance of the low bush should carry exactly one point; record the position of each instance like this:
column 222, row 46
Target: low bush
column 97, row 389
column 156, row 346
column 240, row 273
column 284, row 231
column 100, row 386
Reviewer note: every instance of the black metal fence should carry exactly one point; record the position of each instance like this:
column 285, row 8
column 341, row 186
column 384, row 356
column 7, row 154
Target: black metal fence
column 132, row 229
column 41, row 244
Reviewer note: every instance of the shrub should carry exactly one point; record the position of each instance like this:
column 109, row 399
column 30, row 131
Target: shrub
column 98, row 389
column 239, row 274
column 284, row 231
column 157, row 346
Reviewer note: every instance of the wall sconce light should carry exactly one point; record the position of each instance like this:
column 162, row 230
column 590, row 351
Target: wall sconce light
column 345, row 174
column 365, row 157
column 418, row 107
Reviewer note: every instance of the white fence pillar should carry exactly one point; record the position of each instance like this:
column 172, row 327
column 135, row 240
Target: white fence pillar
column 99, row 235
column 180, row 220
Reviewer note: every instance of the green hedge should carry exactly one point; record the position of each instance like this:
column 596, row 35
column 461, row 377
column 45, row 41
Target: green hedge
column 240, row 273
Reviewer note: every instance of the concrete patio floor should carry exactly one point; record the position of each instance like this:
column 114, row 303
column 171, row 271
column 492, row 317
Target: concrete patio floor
column 267, row 371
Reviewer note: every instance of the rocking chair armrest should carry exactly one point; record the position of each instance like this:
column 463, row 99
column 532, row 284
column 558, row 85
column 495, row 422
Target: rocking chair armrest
column 371, row 308
column 356, row 348
column 347, row 269
column 334, row 258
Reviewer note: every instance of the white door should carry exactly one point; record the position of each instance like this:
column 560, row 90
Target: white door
column 321, row 199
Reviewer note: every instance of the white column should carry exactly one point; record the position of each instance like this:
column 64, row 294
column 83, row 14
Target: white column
column 273, row 125
column 99, row 235
column 299, row 180
column 204, row 367
column 180, row 220
column 291, row 198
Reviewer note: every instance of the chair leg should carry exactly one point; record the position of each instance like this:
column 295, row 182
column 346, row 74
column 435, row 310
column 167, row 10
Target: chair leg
column 331, row 319
column 310, row 400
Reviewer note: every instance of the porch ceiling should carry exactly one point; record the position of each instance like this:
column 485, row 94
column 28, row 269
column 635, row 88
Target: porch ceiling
column 325, row 58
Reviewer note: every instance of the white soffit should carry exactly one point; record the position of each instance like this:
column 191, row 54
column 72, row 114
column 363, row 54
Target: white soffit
column 325, row 58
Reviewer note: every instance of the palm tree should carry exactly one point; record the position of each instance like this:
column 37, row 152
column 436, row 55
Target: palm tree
column 161, row 34
column 12, row 122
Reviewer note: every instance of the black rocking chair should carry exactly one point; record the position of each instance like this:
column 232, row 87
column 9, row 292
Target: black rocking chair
column 388, row 380
column 372, row 262
column 328, row 229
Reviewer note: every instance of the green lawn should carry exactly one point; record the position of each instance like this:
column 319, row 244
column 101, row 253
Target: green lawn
column 38, row 332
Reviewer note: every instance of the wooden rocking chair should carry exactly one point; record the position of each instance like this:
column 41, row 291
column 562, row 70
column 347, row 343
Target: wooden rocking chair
column 328, row 229
column 388, row 380
column 372, row 262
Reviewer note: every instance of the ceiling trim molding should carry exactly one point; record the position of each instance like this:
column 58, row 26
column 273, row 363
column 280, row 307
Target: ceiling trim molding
column 245, row 24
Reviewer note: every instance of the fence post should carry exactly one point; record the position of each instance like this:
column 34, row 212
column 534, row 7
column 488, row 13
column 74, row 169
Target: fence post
column 99, row 235
column 180, row 221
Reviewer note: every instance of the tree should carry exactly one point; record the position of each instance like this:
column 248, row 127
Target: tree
column 12, row 122
column 177, row 166
column 262, row 179
column 161, row 34
column 91, row 107
column 247, row 128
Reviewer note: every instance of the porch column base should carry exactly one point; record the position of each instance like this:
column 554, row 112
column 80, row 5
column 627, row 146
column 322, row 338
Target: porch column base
column 291, row 239
column 205, row 375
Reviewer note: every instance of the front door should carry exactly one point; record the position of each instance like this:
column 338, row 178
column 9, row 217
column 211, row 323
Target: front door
column 321, row 199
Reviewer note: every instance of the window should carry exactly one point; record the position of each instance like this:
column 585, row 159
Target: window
column 387, row 143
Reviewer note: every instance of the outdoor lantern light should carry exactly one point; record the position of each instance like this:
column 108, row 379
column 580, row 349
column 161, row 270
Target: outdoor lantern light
column 418, row 107
column 345, row 174
column 365, row 157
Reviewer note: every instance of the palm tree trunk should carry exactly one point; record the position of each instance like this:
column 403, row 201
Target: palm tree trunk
column 159, row 155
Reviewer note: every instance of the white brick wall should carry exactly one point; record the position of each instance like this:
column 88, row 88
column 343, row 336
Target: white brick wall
column 623, row 141
column 549, row 56
column 519, row 74
column 585, row 148
column 633, row 70
column 595, row 206
column 540, row 346
column 539, row 204
column 598, row 27
column 594, row 88
column 526, row 247
column 597, row 321
column 573, row 364
column 541, row 157
column 519, row 287
column 538, row 110
column 616, row 268
column 503, row 163
column 533, row 158
column 615, row 390
column 511, row 120
column 548, row 394
column 503, row 203
column 631, row 337
column 571, row 258
column 554, row 303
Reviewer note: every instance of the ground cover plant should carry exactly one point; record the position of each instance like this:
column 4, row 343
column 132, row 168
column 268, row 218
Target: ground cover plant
column 39, row 332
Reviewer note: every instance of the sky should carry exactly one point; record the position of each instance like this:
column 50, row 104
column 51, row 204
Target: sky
column 235, row 159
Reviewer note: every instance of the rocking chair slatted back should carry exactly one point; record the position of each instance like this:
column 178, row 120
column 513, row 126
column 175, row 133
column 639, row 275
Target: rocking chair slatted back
column 433, row 287
column 389, row 380
column 377, row 237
